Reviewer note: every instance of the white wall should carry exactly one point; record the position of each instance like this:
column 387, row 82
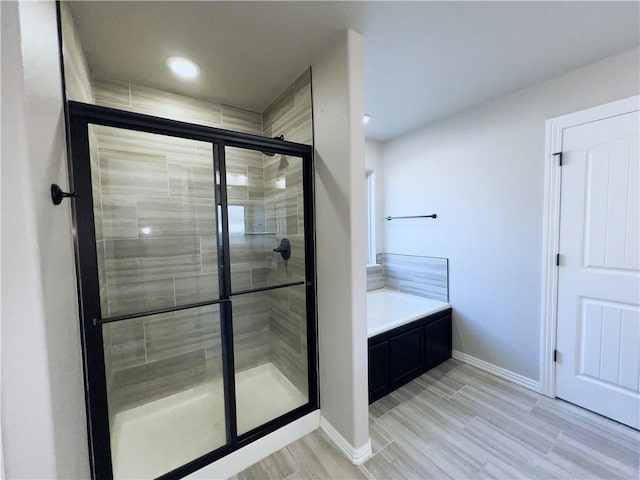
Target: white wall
column 373, row 161
column 43, row 415
column 338, row 103
column 482, row 172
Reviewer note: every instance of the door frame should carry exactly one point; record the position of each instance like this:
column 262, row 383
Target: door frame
column 551, row 226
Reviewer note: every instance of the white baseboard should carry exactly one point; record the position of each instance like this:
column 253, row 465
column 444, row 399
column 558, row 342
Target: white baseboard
column 357, row 456
column 498, row 371
column 237, row 461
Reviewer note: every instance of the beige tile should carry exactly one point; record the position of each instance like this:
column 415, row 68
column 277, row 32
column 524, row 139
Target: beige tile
column 119, row 217
column 302, row 87
column 146, row 259
column 196, row 288
column 166, row 217
column 127, row 343
column 151, row 381
column 382, row 406
column 587, row 462
column 182, row 332
column 277, row 466
column 438, row 382
column 239, row 120
column 319, row 459
column 495, row 469
column 191, row 176
column 127, row 173
column 416, row 275
column 242, row 158
column 403, row 460
column 76, row 71
column 279, row 107
column 208, row 254
column 511, row 393
column 130, row 297
column 295, row 125
column 578, row 421
column 133, row 141
column 487, row 429
column 500, row 444
column 380, row 437
column 111, row 93
column 256, row 182
column 177, row 107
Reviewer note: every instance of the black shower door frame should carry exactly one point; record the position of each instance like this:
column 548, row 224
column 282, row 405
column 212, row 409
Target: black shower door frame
column 80, row 116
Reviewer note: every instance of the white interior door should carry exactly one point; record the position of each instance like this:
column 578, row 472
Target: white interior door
column 598, row 337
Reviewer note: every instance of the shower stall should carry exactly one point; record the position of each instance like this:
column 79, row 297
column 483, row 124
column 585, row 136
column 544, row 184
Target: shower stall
column 196, row 275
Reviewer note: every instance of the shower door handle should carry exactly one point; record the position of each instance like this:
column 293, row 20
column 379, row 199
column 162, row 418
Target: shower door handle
column 284, row 249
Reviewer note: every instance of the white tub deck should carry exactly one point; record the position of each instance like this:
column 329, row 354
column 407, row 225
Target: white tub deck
column 388, row 309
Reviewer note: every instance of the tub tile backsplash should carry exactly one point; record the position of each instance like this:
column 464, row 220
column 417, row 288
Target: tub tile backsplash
column 375, row 279
column 423, row 276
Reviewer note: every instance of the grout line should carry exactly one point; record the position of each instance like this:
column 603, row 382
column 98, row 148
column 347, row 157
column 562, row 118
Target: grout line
column 144, row 337
column 382, row 427
column 297, row 470
column 455, row 393
column 553, row 444
column 174, row 291
column 395, row 440
column 363, row 466
column 453, row 370
column 388, row 411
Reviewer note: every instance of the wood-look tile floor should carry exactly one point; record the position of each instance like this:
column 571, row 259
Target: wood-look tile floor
column 456, row 421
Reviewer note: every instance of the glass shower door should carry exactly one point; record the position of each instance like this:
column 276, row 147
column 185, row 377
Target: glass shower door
column 197, row 295
column 265, row 202
column 155, row 230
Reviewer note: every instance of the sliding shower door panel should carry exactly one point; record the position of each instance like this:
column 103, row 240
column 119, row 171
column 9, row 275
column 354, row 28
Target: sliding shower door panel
column 265, row 207
column 167, row 408
column 158, row 220
column 155, row 228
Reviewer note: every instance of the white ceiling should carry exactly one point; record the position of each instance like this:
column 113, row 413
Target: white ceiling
column 423, row 60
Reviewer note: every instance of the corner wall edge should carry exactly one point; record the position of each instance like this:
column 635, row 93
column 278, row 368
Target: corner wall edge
column 358, row 455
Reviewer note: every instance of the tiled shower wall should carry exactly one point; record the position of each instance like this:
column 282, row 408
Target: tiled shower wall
column 77, row 75
column 159, row 245
column 289, row 115
column 155, row 227
column 174, row 203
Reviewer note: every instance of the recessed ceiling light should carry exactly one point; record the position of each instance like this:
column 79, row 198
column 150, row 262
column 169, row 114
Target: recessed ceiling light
column 366, row 118
column 183, row 67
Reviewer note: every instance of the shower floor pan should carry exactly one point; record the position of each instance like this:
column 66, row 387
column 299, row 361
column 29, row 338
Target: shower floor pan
column 154, row 438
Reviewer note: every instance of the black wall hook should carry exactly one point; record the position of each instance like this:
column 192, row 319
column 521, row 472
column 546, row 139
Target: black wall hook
column 57, row 195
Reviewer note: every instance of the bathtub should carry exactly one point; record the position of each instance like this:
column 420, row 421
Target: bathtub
column 388, row 309
column 408, row 335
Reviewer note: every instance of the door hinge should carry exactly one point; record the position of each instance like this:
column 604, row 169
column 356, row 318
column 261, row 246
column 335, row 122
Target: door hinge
column 557, row 259
column 559, row 155
column 555, row 355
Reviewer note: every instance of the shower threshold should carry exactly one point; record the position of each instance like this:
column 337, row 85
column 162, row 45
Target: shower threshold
column 159, row 436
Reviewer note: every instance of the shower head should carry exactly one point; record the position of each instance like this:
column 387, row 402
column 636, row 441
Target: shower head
column 284, row 163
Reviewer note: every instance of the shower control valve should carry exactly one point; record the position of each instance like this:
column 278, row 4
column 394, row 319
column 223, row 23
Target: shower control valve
column 284, row 249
